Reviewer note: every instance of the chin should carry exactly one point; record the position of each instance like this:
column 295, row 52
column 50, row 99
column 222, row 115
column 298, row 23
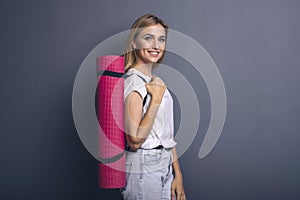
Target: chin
column 153, row 60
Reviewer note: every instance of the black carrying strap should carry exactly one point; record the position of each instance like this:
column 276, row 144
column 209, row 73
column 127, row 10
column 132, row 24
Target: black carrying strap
column 116, row 75
column 112, row 159
column 144, row 102
column 110, row 73
column 145, row 98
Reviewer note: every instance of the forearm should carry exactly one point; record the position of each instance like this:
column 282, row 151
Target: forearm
column 142, row 130
column 175, row 164
column 148, row 120
column 177, row 188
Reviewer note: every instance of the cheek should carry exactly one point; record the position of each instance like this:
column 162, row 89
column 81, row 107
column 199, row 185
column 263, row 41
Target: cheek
column 141, row 53
column 141, row 45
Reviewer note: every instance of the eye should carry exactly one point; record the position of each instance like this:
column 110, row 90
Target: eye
column 148, row 38
column 162, row 39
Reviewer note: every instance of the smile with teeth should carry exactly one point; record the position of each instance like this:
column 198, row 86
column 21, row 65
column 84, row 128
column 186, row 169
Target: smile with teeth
column 154, row 53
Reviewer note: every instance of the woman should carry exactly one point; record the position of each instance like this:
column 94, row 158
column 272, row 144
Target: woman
column 151, row 159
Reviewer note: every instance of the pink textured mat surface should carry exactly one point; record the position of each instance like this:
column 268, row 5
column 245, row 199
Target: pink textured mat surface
column 110, row 105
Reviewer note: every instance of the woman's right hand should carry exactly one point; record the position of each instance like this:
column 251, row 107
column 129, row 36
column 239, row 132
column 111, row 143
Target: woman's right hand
column 156, row 88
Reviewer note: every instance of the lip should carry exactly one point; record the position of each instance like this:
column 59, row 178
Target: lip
column 154, row 53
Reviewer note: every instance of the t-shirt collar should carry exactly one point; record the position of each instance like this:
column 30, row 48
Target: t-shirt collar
column 137, row 72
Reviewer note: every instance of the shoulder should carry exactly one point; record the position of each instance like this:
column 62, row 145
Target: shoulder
column 134, row 83
column 133, row 80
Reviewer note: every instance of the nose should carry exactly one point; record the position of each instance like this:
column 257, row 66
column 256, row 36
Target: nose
column 155, row 44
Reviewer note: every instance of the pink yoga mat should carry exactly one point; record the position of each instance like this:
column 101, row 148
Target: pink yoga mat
column 109, row 106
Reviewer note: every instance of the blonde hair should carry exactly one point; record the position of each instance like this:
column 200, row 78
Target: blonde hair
column 141, row 23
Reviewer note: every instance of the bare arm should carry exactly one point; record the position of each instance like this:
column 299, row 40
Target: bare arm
column 136, row 127
column 177, row 188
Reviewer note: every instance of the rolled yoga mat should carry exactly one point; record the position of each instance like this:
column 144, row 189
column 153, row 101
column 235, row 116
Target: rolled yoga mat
column 109, row 107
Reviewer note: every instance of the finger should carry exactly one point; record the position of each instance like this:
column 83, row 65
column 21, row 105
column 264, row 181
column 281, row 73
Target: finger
column 182, row 196
column 173, row 194
column 156, row 79
column 160, row 84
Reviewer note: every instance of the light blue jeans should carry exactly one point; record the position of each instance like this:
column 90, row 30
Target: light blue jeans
column 149, row 175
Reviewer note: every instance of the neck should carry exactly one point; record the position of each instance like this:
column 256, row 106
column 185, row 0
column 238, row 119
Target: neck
column 144, row 68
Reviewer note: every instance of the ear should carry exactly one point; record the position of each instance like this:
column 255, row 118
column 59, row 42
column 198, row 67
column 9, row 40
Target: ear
column 133, row 45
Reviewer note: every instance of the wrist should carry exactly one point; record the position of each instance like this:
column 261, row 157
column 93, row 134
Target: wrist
column 155, row 101
column 178, row 174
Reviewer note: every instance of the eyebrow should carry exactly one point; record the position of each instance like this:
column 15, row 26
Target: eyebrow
column 153, row 35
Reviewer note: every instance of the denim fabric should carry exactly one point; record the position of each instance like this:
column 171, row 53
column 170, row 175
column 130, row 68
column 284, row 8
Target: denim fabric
column 149, row 175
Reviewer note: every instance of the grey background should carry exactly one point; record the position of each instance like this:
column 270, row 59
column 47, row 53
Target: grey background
column 254, row 43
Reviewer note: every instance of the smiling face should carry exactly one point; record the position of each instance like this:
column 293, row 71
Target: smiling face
column 150, row 44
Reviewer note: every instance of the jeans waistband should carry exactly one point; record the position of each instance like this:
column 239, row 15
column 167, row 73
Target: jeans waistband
column 157, row 147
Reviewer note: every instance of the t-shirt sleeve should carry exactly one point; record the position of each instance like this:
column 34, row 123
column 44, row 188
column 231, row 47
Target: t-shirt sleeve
column 134, row 83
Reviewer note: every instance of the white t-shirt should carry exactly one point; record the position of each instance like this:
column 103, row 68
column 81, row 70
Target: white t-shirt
column 162, row 131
